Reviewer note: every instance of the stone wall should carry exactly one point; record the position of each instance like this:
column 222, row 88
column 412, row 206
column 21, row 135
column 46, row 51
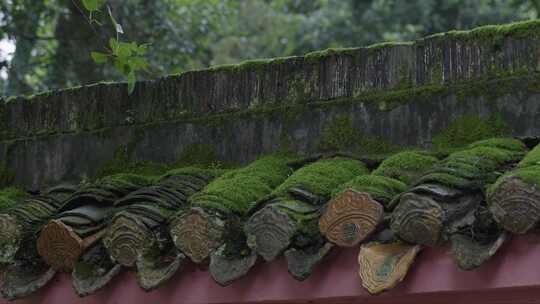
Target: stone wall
column 401, row 93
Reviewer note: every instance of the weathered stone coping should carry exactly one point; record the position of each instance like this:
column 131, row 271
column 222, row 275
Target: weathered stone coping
column 442, row 59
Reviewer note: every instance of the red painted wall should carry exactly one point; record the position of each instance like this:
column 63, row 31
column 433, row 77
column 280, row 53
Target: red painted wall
column 512, row 276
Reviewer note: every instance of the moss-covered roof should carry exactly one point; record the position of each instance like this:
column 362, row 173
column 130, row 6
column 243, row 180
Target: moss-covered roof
column 321, row 177
column 406, row 166
column 238, row 190
column 235, row 192
column 501, row 143
column 477, row 164
column 392, row 177
column 381, row 188
column 194, row 171
column 528, row 170
column 10, row 196
column 532, row 158
column 514, row 197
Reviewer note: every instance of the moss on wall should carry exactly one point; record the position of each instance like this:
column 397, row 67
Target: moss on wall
column 489, row 34
column 122, row 163
column 495, row 33
column 384, row 100
column 466, row 129
column 200, row 154
column 251, row 65
column 340, row 135
column 122, row 179
column 6, row 174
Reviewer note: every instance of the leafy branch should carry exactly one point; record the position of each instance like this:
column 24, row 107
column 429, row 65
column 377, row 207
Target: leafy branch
column 127, row 57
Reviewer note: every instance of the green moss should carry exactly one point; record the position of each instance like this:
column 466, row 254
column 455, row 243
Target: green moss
column 406, row 80
column 199, row 154
column 478, row 162
column 406, row 166
column 530, row 175
column 129, row 178
column 306, row 217
column 10, row 196
column 6, row 175
column 487, row 35
column 323, row 176
column 238, row 190
column 469, row 168
column 495, row 33
column 317, row 56
column 531, row 159
column 381, row 188
column 528, row 170
column 466, row 129
column 509, row 144
column 385, row 100
column 254, row 64
column 450, row 180
column 300, row 211
column 251, row 65
column 195, row 171
column 475, row 166
column 499, row 156
column 533, row 85
column 340, row 135
column 388, row 44
column 122, row 163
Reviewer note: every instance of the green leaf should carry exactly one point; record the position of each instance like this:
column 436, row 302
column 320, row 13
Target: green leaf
column 114, row 46
column 141, row 49
column 121, row 65
column 93, row 5
column 138, row 63
column 90, row 5
column 99, row 57
column 117, row 27
column 124, row 49
column 131, row 82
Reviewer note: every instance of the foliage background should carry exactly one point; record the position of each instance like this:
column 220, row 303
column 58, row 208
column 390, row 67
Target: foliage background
column 53, row 39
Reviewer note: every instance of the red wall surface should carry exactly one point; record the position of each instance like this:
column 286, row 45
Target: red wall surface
column 512, row 276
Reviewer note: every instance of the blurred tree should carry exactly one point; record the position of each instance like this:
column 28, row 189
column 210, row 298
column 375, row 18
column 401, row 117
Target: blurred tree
column 21, row 22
